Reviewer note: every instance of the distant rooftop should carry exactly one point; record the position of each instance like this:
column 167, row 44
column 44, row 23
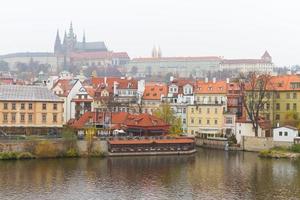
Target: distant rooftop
column 26, row 93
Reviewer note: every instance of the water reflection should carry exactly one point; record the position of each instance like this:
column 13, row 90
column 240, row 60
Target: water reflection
column 209, row 174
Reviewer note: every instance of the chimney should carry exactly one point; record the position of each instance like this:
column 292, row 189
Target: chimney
column 227, row 80
column 214, row 79
column 171, row 78
column 105, row 80
column 277, row 125
column 206, row 80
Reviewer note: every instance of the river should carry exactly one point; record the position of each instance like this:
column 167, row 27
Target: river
column 208, row 174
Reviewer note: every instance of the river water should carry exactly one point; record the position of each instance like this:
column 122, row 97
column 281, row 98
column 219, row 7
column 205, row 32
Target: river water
column 208, row 174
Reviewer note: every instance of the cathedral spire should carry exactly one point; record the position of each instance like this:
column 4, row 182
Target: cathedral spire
column 71, row 32
column 57, row 44
column 83, row 38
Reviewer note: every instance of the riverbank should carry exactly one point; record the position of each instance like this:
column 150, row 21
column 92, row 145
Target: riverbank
column 292, row 152
column 54, row 148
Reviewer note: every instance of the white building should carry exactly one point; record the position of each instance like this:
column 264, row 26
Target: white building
column 67, row 90
column 285, row 134
column 262, row 65
column 245, row 128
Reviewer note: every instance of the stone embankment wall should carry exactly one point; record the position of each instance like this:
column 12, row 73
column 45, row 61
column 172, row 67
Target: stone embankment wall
column 261, row 143
column 216, row 144
column 28, row 146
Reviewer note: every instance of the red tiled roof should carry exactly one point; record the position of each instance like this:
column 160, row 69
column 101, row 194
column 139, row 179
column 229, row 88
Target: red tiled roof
column 98, row 55
column 144, row 120
column 219, row 87
column 154, row 91
column 66, row 85
column 122, row 83
column 117, row 118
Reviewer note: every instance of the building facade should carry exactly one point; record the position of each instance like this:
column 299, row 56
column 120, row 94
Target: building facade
column 29, row 110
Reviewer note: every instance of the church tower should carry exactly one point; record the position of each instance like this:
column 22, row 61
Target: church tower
column 57, row 44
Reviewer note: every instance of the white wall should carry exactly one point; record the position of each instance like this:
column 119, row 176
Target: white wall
column 291, row 134
column 245, row 129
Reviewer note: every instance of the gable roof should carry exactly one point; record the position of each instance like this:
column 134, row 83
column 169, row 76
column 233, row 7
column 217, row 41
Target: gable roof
column 219, row 87
column 117, row 118
column 154, row 91
column 144, row 120
column 66, row 85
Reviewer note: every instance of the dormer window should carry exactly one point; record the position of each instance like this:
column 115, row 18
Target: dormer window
column 210, row 88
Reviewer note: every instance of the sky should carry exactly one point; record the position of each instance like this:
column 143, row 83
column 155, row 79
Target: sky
column 228, row 28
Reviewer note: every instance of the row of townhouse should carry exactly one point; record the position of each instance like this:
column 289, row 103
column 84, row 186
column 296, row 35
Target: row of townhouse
column 206, row 108
column 115, row 94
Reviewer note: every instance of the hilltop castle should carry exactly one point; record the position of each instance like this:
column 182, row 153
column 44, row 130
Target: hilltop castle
column 70, row 44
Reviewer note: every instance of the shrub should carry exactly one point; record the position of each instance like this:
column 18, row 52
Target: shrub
column 280, row 148
column 25, row 155
column 97, row 154
column 295, row 148
column 265, row 153
column 8, row 155
column 46, row 149
column 72, row 153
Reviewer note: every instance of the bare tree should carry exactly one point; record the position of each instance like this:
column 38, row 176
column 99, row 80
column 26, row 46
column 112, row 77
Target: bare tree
column 255, row 96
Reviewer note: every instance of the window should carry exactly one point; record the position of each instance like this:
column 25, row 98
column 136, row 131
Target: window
column 5, row 117
column 55, row 106
column 208, row 111
column 44, row 107
column 285, row 133
column 192, row 132
column 280, row 133
column 240, row 132
column 277, row 106
column 192, row 110
column 295, row 106
column 22, row 106
column 287, row 106
column 192, row 121
column 216, row 110
column 30, row 106
column 5, row 107
column 200, row 110
column 268, row 116
column 228, row 120
column 44, row 117
column 277, row 117
column 13, row 117
column 29, row 117
column 55, row 118
column 294, row 95
column 267, row 106
column 288, row 95
column 184, row 110
column 183, row 121
column 199, row 121
column 216, row 121
column 22, row 117
column 207, row 121
column 13, row 106
column 277, row 95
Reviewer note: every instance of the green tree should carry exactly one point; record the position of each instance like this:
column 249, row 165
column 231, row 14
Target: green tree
column 292, row 119
column 167, row 114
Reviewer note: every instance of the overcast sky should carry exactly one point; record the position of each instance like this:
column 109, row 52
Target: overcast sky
column 229, row 28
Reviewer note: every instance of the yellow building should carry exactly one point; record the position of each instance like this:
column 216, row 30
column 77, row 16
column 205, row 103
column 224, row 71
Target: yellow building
column 206, row 117
column 29, row 109
column 284, row 99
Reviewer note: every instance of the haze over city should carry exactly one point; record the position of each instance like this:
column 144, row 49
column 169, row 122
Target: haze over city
column 230, row 28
